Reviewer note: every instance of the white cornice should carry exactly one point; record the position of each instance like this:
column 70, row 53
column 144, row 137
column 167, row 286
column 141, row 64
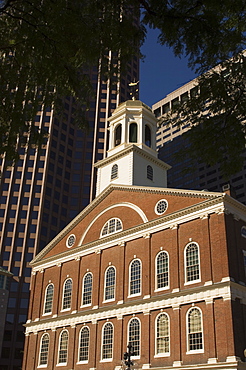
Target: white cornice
column 135, row 149
column 225, row 290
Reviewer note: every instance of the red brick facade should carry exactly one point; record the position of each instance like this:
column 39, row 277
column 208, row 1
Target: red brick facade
column 209, row 222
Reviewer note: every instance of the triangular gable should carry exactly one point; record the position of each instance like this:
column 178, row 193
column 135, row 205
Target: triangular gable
column 134, row 205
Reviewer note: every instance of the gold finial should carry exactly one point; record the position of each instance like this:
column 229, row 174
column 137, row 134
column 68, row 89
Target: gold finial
column 134, row 89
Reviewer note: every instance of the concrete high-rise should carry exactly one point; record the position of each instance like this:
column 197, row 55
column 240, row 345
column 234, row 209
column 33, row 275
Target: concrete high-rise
column 45, row 189
column 170, row 138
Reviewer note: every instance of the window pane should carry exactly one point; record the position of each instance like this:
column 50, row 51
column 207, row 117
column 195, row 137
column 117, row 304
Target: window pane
column 63, row 347
column 44, row 349
column 49, row 299
column 113, row 225
column 87, row 289
column 67, row 295
column 135, row 277
column 162, row 270
column 195, row 330
column 134, row 336
column 107, row 345
column 192, row 262
column 84, row 344
column 162, row 335
column 110, row 283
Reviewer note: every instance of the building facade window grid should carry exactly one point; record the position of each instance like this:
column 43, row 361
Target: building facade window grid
column 107, row 341
column 63, row 347
column 109, row 293
column 162, row 270
column 84, row 341
column 44, row 350
column 192, row 263
column 162, row 335
column 49, row 299
column 194, row 330
column 134, row 336
column 135, row 277
column 67, row 294
column 87, row 289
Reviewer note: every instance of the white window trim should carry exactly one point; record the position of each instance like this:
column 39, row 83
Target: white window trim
column 113, row 232
column 185, row 264
column 85, row 361
column 104, row 291
column 40, row 344
column 62, row 363
column 160, row 200
column 165, row 354
column 128, row 339
column 129, row 280
column 87, row 304
column 70, row 246
column 117, row 176
column 69, row 308
column 102, row 335
column 45, row 296
column 190, row 352
column 168, row 286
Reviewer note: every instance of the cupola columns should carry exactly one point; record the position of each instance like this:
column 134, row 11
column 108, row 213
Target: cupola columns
column 132, row 156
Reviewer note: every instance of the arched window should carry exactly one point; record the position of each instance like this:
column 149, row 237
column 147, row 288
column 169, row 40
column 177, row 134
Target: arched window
column 117, row 138
column 134, row 336
column 109, row 291
column 133, row 133
column 135, row 277
column 149, row 173
column 44, row 349
column 147, row 136
column 48, row 299
column 114, row 172
column 84, row 340
column 67, row 294
column 87, row 289
column 112, row 226
column 162, row 270
column 107, row 341
column 162, row 334
column 192, row 262
column 63, row 347
column 194, row 329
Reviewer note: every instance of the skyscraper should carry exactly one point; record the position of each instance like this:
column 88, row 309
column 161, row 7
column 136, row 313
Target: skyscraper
column 170, row 138
column 45, row 189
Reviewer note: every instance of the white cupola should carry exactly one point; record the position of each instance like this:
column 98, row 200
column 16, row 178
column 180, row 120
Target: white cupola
column 132, row 156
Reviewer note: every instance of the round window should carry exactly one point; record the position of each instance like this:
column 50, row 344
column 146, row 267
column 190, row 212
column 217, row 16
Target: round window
column 71, row 240
column 161, row 207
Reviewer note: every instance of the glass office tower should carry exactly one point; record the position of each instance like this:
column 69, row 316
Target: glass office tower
column 45, row 189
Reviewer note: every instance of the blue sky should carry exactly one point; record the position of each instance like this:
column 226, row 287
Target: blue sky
column 160, row 72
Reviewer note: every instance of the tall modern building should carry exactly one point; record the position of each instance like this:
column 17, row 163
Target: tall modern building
column 47, row 188
column 183, row 174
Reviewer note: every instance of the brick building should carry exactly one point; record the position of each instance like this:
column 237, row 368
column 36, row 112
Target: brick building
column 162, row 269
